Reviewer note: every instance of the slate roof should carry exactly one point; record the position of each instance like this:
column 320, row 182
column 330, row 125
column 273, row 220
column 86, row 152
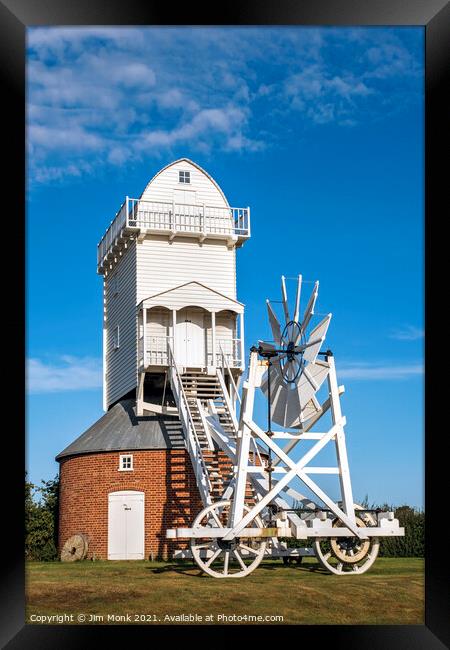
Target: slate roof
column 121, row 429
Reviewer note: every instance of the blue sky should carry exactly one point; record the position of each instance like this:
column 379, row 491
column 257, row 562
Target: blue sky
column 319, row 130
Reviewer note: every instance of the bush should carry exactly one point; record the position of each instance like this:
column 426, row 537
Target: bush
column 413, row 521
column 41, row 520
column 413, row 543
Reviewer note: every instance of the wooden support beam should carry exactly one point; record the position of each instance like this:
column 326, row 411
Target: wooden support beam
column 140, row 394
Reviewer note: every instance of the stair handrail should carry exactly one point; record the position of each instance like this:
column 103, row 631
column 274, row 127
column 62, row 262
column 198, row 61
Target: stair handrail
column 225, row 365
column 229, row 407
column 177, row 385
column 205, row 425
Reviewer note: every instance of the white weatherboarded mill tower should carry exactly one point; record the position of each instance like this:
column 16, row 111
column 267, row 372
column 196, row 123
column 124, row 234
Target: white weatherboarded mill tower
column 169, row 266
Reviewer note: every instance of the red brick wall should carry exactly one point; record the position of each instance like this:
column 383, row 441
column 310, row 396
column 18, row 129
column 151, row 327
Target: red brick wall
column 165, row 476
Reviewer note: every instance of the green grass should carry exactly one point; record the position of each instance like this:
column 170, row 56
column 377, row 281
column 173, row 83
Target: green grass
column 392, row 592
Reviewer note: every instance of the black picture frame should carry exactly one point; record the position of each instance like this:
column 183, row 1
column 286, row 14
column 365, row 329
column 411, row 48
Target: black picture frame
column 15, row 17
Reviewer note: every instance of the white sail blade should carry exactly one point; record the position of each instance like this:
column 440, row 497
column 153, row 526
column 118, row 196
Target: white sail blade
column 284, row 298
column 290, row 407
column 316, row 339
column 274, row 324
column 310, row 411
column 293, row 408
column 279, row 404
column 278, row 401
column 309, row 311
column 277, row 394
column 297, row 299
column 311, row 380
column 288, row 371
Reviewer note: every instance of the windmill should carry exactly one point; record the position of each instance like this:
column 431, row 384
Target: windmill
column 294, row 376
column 230, row 537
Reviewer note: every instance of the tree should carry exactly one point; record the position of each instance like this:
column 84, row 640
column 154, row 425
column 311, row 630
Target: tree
column 41, row 520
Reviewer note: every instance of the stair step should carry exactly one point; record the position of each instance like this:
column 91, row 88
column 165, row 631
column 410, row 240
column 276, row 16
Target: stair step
column 194, row 382
column 200, row 382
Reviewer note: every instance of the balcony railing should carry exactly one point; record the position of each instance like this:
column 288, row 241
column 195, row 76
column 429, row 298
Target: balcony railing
column 157, row 352
column 175, row 218
column 231, row 349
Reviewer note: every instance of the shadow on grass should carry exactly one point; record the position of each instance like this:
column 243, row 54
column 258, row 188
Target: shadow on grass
column 313, row 567
column 188, row 568
column 178, row 567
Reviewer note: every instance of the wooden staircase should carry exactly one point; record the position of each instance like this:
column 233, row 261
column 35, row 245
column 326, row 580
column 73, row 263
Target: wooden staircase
column 197, row 393
column 204, row 391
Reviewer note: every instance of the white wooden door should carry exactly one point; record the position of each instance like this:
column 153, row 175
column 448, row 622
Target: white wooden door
column 126, row 525
column 190, row 339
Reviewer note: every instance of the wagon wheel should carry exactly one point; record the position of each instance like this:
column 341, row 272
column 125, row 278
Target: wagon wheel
column 222, row 559
column 75, row 548
column 348, row 555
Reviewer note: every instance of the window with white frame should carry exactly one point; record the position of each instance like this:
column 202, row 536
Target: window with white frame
column 126, row 462
column 116, row 337
column 184, row 177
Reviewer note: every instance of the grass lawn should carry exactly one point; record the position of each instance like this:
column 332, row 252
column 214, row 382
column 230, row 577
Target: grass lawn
column 392, row 592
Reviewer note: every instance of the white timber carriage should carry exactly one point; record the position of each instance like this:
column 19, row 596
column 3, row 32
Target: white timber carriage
column 174, row 339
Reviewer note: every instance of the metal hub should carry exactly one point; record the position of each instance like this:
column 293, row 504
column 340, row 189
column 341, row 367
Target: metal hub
column 235, row 558
column 292, row 361
column 228, row 545
column 290, row 350
column 350, row 549
column 348, row 543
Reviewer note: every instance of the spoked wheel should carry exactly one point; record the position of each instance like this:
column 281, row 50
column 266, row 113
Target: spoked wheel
column 222, row 559
column 348, row 555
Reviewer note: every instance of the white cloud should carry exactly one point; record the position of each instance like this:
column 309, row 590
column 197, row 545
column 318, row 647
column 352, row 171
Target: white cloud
column 324, row 96
column 66, row 374
column 107, row 95
column 226, row 122
column 407, row 333
column 374, row 371
column 75, row 139
column 389, row 60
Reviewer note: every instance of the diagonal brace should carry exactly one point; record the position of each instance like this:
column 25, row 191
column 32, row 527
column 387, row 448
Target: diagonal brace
column 295, row 470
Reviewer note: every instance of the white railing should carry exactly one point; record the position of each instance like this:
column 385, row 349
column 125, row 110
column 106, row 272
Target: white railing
column 229, row 349
column 116, row 226
column 255, row 459
column 226, row 366
column 193, row 443
column 175, row 218
column 157, row 352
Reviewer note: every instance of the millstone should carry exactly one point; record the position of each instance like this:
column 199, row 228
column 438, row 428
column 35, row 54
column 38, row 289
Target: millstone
column 75, row 548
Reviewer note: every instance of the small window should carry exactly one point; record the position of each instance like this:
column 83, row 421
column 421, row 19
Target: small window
column 125, row 463
column 116, row 337
column 115, row 285
column 184, row 177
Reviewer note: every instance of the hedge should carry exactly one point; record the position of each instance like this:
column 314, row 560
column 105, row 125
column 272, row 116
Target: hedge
column 412, row 544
